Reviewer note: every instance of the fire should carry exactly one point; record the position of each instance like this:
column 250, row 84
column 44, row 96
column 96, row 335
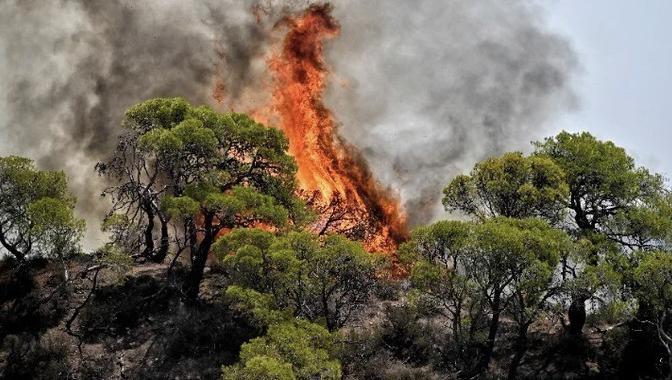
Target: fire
column 332, row 174
column 328, row 166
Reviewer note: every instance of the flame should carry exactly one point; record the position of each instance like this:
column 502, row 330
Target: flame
column 328, row 165
column 333, row 176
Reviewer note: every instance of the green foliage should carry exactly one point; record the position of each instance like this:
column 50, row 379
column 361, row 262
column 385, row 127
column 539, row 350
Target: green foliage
column 116, row 259
column 260, row 308
column 518, row 252
column 605, row 276
column 260, row 367
column 617, row 209
column 192, row 143
column 608, row 194
column 512, row 186
column 36, row 212
column 56, row 228
column 470, row 272
column 322, row 282
column 502, row 253
column 598, row 170
column 442, row 241
column 180, row 207
column 289, row 350
column 202, row 172
column 654, row 279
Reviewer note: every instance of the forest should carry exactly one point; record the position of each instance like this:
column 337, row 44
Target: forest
column 553, row 265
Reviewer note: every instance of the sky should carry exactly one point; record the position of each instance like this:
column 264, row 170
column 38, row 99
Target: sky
column 625, row 87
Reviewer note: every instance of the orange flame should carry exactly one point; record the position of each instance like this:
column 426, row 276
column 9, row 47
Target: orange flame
column 328, row 165
column 332, row 173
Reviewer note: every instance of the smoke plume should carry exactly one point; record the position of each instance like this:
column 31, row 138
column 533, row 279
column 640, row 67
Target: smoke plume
column 424, row 89
column 434, row 86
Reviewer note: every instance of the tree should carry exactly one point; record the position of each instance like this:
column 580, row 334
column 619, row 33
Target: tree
column 513, row 186
column 512, row 263
column 36, row 212
column 654, row 279
column 606, row 189
column 58, row 231
column 325, row 282
column 201, row 172
column 609, row 197
column 136, row 196
column 442, row 285
column 590, row 188
column 501, row 266
column 290, row 350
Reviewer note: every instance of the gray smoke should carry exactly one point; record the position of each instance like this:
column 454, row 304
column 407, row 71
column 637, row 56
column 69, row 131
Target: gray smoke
column 71, row 69
column 433, row 85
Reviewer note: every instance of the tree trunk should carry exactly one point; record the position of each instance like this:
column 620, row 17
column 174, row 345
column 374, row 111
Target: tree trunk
column 149, row 231
column 577, row 314
column 492, row 335
column 20, row 256
column 331, row 323
column 165, row 243
column 193, row 280
column 190, row 225
column 521, row 348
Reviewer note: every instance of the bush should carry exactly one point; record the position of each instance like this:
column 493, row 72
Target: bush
column 115, row 308
column 195, row 341
column 28, row 358
column 24, row 310
column 405, row 336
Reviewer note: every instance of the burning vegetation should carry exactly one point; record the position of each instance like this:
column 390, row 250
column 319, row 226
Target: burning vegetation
column 333, row 176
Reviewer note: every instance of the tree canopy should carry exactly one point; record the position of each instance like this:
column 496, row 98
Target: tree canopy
column 326, row 281
column 36, row 212
column 513, row 186
column 608, row 194
column 468, row 271
column 199, row 172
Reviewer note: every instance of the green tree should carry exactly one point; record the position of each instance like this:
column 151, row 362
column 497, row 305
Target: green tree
column 503, row 266
column 289, row 350
column 139, row 180
column 200, row 172
column 512, row 263
column 442, row 286
column 654, row 279
column 610, row 201
column 513, row 186
column 325, row 282
column 36, row 212
column 607, row 190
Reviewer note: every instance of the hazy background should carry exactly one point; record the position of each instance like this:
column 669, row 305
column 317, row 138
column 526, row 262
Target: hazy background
column 424, row 88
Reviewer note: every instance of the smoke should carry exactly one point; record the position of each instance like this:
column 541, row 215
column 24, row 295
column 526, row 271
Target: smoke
column 72, row 68
column 432, row 86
